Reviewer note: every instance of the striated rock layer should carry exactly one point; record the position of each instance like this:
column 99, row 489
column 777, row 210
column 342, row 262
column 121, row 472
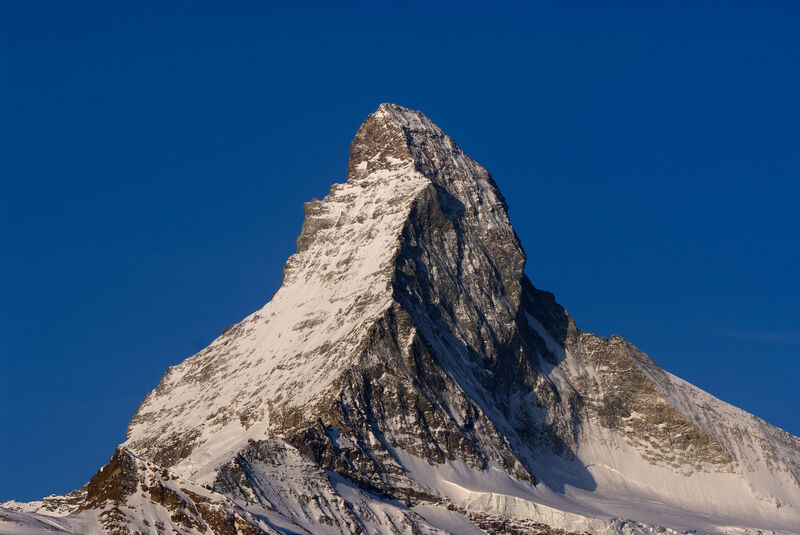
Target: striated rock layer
column 408, row 378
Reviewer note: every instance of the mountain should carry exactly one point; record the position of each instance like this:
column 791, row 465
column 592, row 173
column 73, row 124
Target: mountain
column 408, row 377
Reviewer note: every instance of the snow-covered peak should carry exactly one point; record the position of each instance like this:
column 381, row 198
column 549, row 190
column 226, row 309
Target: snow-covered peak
column 277, row 363
column 406, row 340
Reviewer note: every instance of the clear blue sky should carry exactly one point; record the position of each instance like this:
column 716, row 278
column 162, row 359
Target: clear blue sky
column 154, row 161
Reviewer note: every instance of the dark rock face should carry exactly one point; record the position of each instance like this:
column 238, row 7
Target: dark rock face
column 505, row 526
column 114, row 482
column 377, row 142
column 627, row 397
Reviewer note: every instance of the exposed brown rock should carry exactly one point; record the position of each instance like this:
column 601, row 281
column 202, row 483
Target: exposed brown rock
column 113, row 482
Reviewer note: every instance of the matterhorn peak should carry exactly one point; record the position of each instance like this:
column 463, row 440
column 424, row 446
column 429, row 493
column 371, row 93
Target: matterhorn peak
column 415, row 209
column 407, row 377
column 406, row 332
column 385, row 138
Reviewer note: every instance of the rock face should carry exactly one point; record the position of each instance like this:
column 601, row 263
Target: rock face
column 408, row 378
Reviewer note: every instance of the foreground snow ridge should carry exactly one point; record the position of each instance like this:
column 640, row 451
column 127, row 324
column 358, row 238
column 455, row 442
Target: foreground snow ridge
column 409, row 378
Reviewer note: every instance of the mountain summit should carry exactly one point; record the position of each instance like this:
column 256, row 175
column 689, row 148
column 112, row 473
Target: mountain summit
column 407, row 377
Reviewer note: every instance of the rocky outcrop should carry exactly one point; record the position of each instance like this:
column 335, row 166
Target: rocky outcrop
column 53, row 505
column 130, row 496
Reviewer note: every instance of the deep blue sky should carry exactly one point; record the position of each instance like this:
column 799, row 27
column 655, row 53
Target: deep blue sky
column 154, row 161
